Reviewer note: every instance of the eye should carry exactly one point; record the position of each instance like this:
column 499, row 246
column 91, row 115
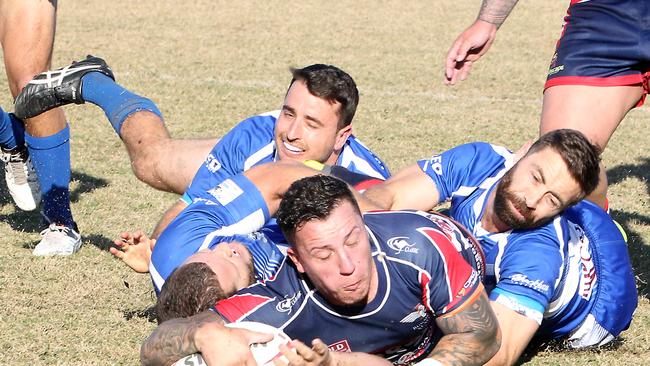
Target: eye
column 287, row 113
column 553, row 201
column 537, row 178
column 322, row 254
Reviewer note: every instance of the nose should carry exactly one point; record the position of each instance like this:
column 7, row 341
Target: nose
column 534, row 197
column 293, row 132
column 346, row 265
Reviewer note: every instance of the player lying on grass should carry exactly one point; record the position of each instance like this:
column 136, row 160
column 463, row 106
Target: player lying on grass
column 405, row 285
column 558, row 267
column 314, row 123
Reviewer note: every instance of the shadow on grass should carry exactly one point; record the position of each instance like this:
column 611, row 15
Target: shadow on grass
column 32, row 221
column 559, row 346
column 638, row 249
column 148, row 313
column 100, row 241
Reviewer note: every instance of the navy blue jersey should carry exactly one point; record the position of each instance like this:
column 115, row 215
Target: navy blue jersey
column 427, row 268
column 556, row 274
column 251, row 143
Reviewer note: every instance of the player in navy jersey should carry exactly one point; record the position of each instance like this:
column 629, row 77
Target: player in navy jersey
column 603, row 54
column 314, row 123
column 405, row 285
column 551, row 273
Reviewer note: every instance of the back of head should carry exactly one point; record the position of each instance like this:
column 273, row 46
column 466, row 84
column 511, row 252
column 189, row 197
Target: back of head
column 332, row 84
column 581, row 156
column 189, row 290
column 311, row 198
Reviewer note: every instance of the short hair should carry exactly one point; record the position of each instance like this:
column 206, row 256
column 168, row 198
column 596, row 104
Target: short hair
column 311, row 198
column 332, row 84
column 581, row 156
column 189, row 290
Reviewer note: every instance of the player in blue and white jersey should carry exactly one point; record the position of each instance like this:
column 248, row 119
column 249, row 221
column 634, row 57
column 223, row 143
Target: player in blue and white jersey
column 405, row 285
column 314, row 124
column 551, row 273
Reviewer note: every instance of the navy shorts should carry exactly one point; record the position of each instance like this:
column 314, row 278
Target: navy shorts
column 603, row 43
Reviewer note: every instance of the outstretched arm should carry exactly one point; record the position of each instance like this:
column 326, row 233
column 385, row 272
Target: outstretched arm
column 471, row 336
column 476, row 40
column 273, row 180
column 409, row 188
column 516, row 332
column 203, row 333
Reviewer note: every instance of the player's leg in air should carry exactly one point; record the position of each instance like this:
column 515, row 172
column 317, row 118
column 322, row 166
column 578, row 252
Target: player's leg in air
column 27, row 31
column 594, row 81
column 162, row 162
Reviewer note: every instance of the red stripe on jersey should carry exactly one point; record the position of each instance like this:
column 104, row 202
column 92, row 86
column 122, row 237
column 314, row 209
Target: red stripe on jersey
column 238, row 306
column 426, row 294
column 461, row 277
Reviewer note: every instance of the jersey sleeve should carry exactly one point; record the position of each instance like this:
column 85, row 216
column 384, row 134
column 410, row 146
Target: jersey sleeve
column 528, row 273
column 237, row 207
column 466, row 165
column 358, row 158
column 449, row 282
column 229, row 155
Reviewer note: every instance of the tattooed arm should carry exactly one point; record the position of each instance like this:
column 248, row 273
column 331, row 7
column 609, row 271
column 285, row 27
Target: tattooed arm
column 203, row 333
column 516, row 330
column 476, row 40
column 471, row 337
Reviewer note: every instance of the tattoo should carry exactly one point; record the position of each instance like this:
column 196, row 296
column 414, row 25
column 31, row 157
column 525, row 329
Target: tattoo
column 174, row 339
column 471, row 336
column 496, row 11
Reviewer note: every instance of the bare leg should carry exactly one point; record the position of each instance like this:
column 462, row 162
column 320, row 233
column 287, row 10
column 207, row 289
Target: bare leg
column 594, row 111
column 157, row 159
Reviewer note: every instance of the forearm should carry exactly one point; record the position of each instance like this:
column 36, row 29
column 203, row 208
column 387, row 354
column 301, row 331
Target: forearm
column 167, row 217
column 471, row 337
column 496, row 11
column 174, row 339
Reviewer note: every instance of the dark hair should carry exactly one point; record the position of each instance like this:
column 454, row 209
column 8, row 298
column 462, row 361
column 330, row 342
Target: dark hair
column 311, row 198
column 332, row 84
column 189, row 290
column 581, row 156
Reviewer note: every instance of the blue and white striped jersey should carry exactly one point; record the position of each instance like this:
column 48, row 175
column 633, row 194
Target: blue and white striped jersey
column 235, row 212
column 556, row 274
column 251, row 143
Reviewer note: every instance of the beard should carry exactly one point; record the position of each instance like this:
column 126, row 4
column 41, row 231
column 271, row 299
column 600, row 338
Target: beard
column 505, row 211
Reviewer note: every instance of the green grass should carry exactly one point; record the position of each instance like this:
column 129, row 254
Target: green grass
column 209, row 64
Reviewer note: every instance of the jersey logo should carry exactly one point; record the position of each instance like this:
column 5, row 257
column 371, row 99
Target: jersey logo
column 212, row 163
column 226, row 192
column 287, row 304
column 420, row 312
column 400, row 244
column 436, row 164
column 521, row 279
column 340, row 346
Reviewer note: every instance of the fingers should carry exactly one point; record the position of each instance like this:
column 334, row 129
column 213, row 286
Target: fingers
column 116, row 252
column 451, row 60
column 255, row 337
column 319, row 347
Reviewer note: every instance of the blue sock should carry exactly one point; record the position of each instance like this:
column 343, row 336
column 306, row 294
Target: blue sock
column 51, row 158
column 12, row 131
column 117, row 102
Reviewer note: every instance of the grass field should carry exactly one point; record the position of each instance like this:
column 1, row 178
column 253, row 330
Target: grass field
column 209, row 64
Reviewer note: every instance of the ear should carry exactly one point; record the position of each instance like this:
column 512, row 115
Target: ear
column 342, row 136
column 293, row 255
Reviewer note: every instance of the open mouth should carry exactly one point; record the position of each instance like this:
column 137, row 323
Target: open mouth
column 291, row 148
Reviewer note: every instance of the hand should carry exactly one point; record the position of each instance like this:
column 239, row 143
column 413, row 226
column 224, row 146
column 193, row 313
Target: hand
column 220, row 345
column 470, row 45
column 134, row 249
column 298, row 354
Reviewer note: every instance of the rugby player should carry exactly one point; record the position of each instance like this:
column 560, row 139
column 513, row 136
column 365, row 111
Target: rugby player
column 404, row 285
column 37, row 151
column 555, row 270
column 602, row 55
column 314, row 123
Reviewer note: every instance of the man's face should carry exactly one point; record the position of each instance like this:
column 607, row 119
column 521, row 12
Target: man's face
column 307, row 128
column 535, row 190
column 231, row 262
column 335, row 255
